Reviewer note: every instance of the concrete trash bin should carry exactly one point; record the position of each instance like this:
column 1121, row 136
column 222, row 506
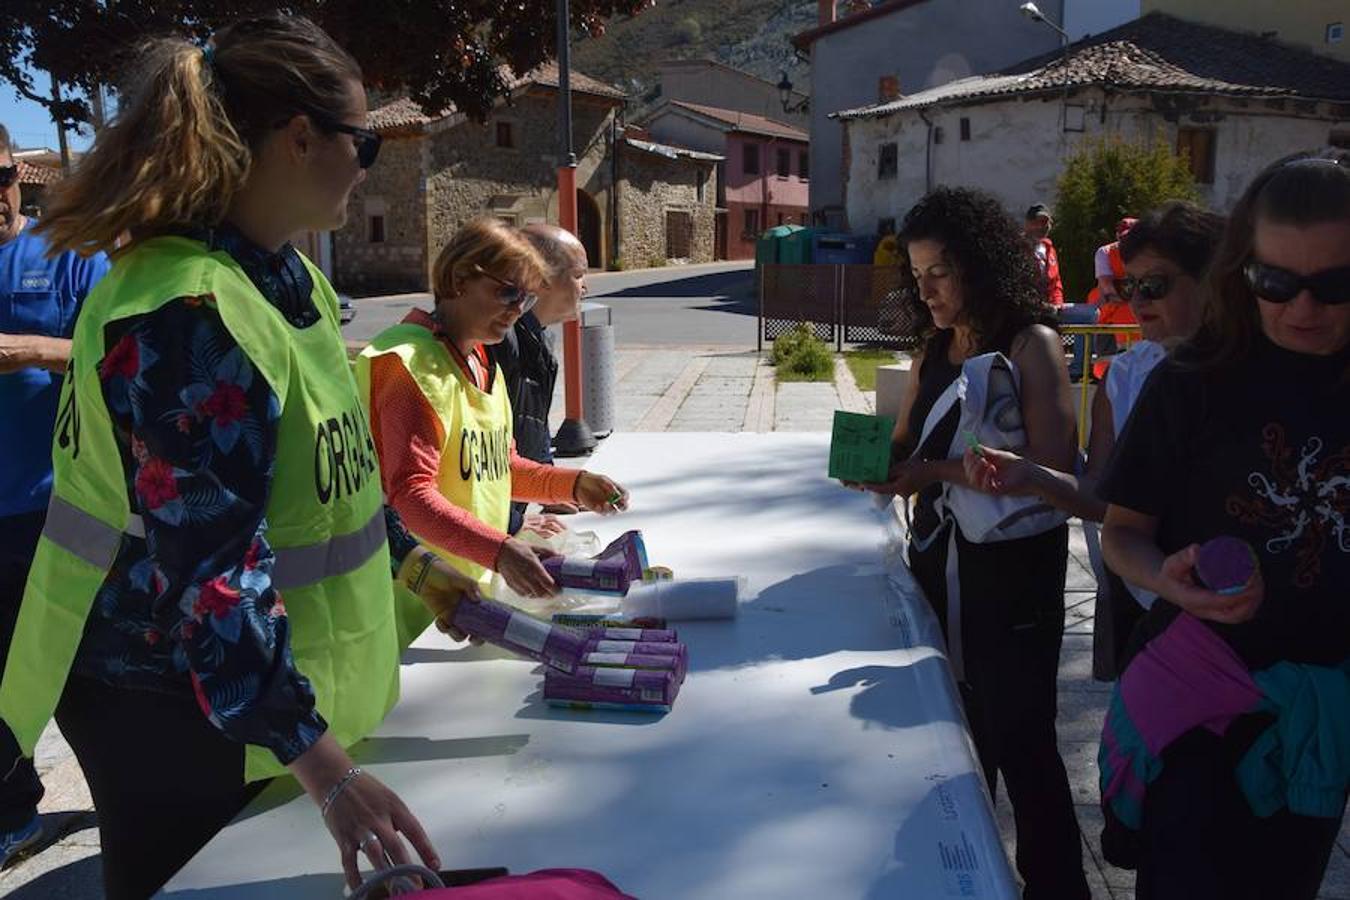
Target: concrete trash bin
column 597, row 367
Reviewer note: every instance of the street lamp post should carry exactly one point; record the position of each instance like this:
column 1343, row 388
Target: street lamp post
column 785, row 95
column 574, row 436
column 1033, row 12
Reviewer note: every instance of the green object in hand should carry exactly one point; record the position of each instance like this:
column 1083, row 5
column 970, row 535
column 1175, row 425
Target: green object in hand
column 860, row 447
column 974, row 443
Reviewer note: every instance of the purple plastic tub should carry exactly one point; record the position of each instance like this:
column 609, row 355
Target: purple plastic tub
column 1225, row 565
column 505, row 626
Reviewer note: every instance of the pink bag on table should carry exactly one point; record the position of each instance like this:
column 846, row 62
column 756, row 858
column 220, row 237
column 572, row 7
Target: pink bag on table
column 546, row 884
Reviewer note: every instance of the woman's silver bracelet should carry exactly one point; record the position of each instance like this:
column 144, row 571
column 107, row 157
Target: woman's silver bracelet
column 337, row 789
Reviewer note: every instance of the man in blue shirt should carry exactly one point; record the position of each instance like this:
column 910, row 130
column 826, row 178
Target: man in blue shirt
column 39, row 298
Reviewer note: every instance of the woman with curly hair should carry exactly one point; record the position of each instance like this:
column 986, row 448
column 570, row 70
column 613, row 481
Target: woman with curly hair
column 1000, row 599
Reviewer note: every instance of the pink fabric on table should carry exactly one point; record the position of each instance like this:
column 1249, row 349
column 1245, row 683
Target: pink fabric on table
column 546, row 884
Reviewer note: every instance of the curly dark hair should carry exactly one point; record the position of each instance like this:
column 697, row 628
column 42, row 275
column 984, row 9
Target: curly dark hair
column 1002, row 287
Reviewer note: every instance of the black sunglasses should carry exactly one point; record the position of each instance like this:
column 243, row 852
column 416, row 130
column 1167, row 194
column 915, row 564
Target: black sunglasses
column 1150, row 287
column 1330, row 286
column 8, row 175
column 367, row 141
column 511, row 294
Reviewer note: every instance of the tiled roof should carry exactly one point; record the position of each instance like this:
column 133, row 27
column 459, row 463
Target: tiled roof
column 670, row 151
column 743, row 121
column 404, row 113
column 1156, row 53
column 31, row 174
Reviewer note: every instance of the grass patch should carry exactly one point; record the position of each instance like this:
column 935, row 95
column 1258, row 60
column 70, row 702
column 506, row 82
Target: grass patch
column 799, row 355
column 864, row 364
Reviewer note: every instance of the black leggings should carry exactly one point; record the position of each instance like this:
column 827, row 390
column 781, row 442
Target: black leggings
column 163, row 780
column 1012, row 626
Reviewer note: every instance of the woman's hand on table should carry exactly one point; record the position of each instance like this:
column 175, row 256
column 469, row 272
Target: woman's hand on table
column 520, row 567
column 1177, row 584
column 999, row 472
column 362, row 815
column 598, row 494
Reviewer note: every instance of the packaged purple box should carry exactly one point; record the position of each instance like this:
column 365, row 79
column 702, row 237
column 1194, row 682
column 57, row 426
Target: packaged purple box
column 646, row 648
column 611, row 571
column 601, row 620
column 665, row 662
column 505, row 626
column 645, row 635
column 590, row 684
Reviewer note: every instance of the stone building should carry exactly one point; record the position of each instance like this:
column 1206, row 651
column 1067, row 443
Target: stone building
column 1232, row 102
column 667, row 202
column 437, row 172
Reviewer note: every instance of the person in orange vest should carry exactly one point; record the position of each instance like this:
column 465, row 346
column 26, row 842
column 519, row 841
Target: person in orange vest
column 1112, row 309
column 1037, row 228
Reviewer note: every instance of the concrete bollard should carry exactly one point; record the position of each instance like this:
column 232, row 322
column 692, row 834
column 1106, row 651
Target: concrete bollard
column 892, row 381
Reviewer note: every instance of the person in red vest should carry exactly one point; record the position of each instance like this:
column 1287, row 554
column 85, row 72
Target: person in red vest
column 1037, row 228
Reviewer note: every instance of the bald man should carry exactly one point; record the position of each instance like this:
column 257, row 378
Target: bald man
column 526, row 356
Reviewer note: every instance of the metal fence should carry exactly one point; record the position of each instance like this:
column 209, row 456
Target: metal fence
column 842, row 304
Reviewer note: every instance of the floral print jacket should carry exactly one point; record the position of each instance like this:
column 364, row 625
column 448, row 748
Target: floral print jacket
column 190, row 608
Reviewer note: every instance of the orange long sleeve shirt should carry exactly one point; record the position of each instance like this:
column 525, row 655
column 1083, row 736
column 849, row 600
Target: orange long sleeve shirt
column 408, row 439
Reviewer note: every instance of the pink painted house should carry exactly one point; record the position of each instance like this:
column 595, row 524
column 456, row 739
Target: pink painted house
column 766, row 175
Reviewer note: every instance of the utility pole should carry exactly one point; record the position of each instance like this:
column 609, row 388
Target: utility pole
column 574, row 436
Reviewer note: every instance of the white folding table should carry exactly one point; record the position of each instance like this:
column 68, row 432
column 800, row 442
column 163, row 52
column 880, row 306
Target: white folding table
column 816, row 750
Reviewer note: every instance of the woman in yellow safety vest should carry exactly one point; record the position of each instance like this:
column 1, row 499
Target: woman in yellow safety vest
column 442, row 419
column 212, row 461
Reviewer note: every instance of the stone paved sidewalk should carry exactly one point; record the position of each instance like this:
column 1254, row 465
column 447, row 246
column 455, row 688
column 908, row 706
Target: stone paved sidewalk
column 692, row 389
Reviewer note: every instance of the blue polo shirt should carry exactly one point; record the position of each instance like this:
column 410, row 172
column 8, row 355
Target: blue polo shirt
column 37, row 296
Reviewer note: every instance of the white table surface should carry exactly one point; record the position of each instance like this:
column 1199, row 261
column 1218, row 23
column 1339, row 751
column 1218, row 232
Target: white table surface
column 816, row 750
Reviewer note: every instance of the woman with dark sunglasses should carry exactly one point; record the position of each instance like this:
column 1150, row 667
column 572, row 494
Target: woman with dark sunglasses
column 212, row 599
column 442, row 419
column 1224, row 770
column 1165, row 255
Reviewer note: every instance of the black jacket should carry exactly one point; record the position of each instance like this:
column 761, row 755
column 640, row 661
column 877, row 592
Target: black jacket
column 531, row 371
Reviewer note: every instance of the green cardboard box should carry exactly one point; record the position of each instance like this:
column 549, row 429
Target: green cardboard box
column 860, row 447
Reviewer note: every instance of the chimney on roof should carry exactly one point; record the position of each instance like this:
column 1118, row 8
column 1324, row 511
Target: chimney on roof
column 888, row 88
column 826, row 12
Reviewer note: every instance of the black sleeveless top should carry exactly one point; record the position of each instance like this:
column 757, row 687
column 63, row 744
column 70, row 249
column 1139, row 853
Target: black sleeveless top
column 936, row 374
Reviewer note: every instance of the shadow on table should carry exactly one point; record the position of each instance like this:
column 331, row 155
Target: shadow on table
column 952, row 857
column 536, row 708
column 378, row 750
column 315, row 885
column 887, row 695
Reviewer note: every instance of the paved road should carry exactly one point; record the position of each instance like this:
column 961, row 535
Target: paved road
column 679, row 305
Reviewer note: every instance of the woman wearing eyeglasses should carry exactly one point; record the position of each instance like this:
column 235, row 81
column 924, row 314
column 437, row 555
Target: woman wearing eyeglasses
column 212, row 598
column 1224, row 764
column 442, row 420
column 1165, row 255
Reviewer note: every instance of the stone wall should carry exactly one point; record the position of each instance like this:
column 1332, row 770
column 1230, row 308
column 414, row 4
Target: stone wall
column 649, row 187
column 470, row 176
column 395, row 189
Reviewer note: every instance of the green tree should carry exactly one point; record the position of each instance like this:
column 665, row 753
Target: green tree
column 1107, row 179
column 440, row 52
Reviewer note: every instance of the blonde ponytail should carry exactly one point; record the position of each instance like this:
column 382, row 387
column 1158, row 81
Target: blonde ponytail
column 171, row 159
column 182, row 145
